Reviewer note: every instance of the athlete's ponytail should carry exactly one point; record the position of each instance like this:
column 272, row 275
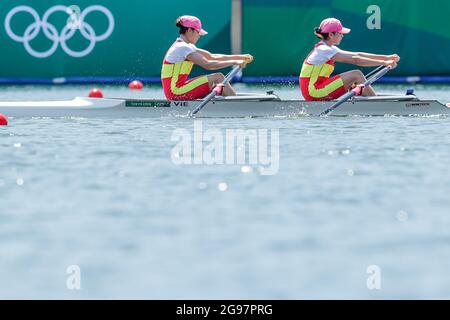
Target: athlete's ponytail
column 183, row 29
column 320, row 35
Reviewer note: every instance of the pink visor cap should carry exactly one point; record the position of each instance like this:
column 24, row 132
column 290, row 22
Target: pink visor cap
column 194, row 23
column 333, row 25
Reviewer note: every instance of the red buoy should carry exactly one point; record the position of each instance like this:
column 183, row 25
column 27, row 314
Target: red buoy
column 3, row 120
column 136, row 85
column 96, row 93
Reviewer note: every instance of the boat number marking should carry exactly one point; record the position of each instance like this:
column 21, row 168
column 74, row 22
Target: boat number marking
column 418, row 104
column 155, row 104
column 147, row 104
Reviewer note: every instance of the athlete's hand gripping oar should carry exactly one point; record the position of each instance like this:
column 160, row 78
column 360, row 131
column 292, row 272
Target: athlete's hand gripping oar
column 216, row 91
column 393, row 57
column 357, row 90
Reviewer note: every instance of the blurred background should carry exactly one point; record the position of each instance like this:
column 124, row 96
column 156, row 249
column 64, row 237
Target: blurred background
column 123, row 40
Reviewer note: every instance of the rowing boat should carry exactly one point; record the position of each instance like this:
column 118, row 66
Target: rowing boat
column 245, row 105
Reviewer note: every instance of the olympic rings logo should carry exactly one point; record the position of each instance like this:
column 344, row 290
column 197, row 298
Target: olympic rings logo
column 75, row 22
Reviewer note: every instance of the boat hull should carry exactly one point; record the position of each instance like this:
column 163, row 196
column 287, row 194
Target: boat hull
column 225, row 108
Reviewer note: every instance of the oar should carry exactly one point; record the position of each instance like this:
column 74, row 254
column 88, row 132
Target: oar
column 217, row 90
column 356, row 91
column 374, row 71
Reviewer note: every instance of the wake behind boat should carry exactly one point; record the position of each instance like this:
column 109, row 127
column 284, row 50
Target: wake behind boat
column 244, row 105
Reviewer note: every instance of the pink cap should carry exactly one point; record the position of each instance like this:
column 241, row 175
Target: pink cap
column 333, row 25
column 192, row 22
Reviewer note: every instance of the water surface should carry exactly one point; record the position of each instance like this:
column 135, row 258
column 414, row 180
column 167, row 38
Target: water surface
column 105, row 195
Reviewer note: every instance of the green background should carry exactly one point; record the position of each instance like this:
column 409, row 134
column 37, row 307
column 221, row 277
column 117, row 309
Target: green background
column 277, row 32
column 144, row 30
column 280, row 33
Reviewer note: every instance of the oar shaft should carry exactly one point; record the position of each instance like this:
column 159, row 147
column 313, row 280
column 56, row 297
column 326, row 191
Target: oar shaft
column 377, row 76
column 373, row 72
column 352, row 93
column 213, row 93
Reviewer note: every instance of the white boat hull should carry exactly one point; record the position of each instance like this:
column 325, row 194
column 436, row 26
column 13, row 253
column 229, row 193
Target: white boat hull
column 232, row 107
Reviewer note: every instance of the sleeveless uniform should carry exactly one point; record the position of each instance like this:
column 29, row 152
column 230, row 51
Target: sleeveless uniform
column 315, row 81
column 175, row 72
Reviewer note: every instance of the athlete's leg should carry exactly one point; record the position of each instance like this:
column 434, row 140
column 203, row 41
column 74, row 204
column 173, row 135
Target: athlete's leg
column 351, row 78
column 215, row 78
column 196, row 88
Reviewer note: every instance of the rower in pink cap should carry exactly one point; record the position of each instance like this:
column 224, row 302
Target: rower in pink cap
column 181, row 57
column 316, row 82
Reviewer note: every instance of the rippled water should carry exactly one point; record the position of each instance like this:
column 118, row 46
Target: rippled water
column 105, row 195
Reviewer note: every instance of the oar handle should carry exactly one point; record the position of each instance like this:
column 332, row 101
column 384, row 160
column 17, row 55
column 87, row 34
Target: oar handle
column 217, row 90
column 356, row 90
